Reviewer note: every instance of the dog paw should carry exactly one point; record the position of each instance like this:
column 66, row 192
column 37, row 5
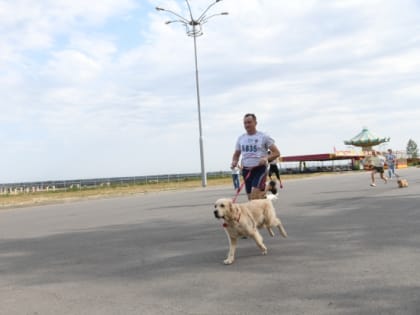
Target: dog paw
column 264, row 252
column 228, row 261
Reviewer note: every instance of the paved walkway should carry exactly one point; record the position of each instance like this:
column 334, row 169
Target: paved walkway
column 352, row 249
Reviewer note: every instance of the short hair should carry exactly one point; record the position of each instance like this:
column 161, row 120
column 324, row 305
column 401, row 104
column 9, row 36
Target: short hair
column 250, row 115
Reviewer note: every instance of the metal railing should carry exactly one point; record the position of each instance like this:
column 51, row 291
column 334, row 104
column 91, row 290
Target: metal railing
column 75, row 184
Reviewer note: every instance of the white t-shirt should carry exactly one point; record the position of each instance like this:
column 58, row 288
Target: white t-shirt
column 236, row 170
column 378, row 161
column 253, row 147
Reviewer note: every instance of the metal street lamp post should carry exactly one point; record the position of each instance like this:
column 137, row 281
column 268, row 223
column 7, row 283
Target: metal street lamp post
column 194, row 29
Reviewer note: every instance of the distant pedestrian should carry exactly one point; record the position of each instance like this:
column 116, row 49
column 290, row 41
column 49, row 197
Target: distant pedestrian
column 377, row 162
column 391, row 160
column 236, row 170
column 274, row 169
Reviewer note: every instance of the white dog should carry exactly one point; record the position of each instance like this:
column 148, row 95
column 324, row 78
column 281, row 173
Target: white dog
column 244, row 220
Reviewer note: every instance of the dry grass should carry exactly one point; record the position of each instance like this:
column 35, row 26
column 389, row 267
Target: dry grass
column 40, row 198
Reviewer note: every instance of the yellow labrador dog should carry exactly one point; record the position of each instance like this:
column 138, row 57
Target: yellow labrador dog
column 244, row 220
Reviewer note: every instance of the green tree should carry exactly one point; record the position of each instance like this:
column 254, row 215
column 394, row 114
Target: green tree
column 412, row 150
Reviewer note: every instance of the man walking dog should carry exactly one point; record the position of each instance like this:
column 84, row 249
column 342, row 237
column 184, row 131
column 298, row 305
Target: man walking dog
column 253, row 147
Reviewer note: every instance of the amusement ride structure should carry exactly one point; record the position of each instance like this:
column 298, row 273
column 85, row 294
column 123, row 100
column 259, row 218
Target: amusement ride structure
column 366, row 140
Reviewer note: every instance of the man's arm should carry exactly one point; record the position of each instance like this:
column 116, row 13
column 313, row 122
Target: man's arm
column 235, row 158
column 275, row 153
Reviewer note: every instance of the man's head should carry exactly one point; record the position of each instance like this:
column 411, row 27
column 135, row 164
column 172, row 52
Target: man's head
column 250, row 123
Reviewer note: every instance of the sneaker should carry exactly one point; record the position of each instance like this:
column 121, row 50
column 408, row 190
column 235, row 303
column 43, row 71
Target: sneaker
column 373, row 185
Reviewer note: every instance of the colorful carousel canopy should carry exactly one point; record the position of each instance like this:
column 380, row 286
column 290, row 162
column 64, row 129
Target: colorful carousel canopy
column 366, row 140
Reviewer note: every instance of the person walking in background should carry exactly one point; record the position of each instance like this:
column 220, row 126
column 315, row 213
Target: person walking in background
column 274, row 169
column 235, row 176
column 253, row 146
column 377, row 162
column 391, row 160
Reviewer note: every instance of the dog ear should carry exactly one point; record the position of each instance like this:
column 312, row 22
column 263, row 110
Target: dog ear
column 233, row 211
column 229, row 211
column 236, row 210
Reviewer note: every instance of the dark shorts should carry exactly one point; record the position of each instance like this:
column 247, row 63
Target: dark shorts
column 254, row 177
column 379, row 169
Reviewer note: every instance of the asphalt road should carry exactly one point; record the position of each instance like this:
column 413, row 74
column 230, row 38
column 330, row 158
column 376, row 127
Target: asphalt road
column 352, row 249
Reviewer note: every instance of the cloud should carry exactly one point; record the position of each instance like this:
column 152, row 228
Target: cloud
column 106, row 88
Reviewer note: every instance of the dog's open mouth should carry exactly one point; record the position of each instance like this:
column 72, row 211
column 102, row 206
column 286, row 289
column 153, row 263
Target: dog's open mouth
column 217, row 216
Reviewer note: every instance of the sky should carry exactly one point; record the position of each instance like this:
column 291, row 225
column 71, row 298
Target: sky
column 104, row 88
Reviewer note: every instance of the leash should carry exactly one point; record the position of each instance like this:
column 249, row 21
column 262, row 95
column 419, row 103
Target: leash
column 225, row 225
column 242, row 184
